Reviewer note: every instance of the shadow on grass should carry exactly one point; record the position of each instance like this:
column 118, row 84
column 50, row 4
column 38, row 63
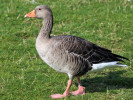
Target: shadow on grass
column 112, row 81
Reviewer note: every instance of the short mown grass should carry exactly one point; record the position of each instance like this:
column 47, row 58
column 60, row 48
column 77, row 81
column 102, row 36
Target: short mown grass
column 24, row 76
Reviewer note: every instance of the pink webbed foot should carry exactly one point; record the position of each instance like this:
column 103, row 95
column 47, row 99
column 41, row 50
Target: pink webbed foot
column 66, row 93
column 56, row 96
column 80, row 91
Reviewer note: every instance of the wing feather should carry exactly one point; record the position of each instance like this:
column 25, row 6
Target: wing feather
column 88, row 50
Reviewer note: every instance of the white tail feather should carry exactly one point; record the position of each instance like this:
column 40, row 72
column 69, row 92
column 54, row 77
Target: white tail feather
column 101, row 66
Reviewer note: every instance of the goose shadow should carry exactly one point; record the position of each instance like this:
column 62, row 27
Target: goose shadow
column 112, row 81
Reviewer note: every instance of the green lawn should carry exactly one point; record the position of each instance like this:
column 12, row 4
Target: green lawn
column 24, row 76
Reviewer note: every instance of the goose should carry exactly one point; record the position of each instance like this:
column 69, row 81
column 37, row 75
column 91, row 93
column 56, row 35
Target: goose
column 70, row 54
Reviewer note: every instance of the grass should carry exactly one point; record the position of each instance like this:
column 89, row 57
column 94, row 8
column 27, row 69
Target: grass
column 24, row 76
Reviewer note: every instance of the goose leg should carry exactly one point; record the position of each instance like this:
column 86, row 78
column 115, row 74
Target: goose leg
column 55, row 96
column 81, row 89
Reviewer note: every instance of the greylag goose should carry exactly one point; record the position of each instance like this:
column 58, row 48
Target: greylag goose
column 70, row 54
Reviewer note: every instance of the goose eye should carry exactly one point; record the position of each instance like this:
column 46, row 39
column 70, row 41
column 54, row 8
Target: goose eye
column 39, row 8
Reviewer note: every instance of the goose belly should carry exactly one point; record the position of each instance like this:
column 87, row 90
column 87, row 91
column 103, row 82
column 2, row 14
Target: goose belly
column 62, row 61
column 54, row 59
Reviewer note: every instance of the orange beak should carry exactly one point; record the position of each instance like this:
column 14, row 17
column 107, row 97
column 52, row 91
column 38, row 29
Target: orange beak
column 31, row 14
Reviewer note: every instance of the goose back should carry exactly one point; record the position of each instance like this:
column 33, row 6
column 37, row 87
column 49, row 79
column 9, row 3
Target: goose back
column 87, row 50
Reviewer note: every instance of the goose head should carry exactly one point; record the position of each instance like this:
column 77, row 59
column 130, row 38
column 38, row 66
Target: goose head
column 41, row 12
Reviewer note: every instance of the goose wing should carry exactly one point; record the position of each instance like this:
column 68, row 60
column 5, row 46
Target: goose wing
column 88, row 50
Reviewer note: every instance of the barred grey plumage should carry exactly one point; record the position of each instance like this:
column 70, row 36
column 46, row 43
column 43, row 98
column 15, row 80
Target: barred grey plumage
column 70, row 54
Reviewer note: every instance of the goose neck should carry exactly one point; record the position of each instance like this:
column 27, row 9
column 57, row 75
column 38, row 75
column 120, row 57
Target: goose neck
column 46, row 28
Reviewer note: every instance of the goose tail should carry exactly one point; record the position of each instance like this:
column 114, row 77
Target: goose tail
column 101, row 66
